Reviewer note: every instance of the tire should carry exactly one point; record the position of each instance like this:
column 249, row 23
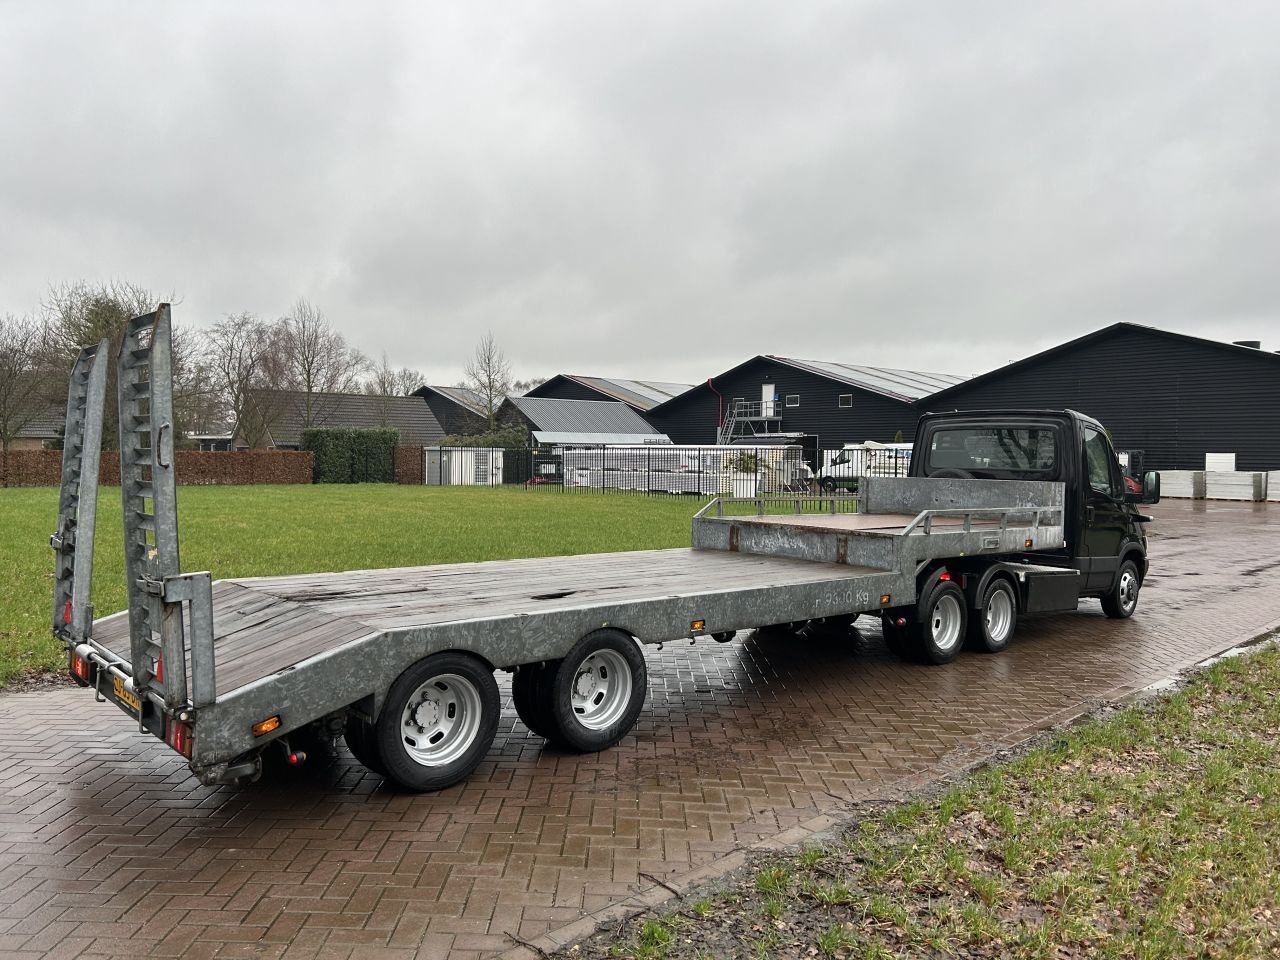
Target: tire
column 896, row 638
column 438, row 722
column 1120, row 603
column 991, row 626
column 361, row 741
column 529, row 698
column 938, row 632
column 597, row 691
column 828, row 487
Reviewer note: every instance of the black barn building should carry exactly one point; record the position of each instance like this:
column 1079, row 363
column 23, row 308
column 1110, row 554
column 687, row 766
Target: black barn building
column 640, row 395
column 767, row 397
column 460, row 411
column 1173, row 396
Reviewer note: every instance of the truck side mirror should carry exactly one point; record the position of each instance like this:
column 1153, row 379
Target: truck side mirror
column 1150, row 487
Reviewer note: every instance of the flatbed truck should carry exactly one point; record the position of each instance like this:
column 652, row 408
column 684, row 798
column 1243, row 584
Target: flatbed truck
column 1005, row 513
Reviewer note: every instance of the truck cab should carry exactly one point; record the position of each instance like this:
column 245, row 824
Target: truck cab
column 1104, row 531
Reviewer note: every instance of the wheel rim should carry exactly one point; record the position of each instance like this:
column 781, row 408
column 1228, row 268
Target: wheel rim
column 440, row 720
column 1128, row 590
column 944, row 623
column 601, row 689
column 999, row 615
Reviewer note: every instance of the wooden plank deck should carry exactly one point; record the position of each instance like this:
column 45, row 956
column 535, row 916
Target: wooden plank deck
column 266, row 624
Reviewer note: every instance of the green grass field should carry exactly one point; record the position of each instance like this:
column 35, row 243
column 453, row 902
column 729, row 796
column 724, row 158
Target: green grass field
column 255, row 531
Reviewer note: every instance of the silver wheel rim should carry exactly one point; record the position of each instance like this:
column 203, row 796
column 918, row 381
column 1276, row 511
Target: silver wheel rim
column 999, row 615
column 1128, row 591
column 440, row 720
column 601, row 689
column 944, row 624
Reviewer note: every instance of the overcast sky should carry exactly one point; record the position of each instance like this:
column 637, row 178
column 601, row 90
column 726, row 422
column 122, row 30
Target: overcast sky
column 656, row 190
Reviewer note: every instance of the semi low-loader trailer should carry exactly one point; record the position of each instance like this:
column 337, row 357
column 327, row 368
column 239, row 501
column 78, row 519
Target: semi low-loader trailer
column 1004, row 514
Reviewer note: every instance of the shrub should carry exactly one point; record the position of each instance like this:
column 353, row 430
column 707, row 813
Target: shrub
column 349, row 455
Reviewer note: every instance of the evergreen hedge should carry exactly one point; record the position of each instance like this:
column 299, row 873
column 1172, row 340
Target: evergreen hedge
column 350, row 455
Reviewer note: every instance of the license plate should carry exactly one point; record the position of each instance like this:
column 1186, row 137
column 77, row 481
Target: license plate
column 125, row 696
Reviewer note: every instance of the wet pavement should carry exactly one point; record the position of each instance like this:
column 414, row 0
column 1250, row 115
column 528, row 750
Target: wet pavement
column 110, row 848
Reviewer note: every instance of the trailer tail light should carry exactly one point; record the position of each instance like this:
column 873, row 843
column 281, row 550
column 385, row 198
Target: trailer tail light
column 80, row 668
column 160, row 669
column 944, row 577
column 698, row 626
column 885, row 599
column 263, row 727
column 178, row 735
column 66, row 614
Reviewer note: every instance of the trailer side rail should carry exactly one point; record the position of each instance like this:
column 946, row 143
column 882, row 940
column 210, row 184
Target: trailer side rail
column 1046, row 516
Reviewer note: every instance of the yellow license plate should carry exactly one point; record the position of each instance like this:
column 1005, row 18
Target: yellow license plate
column 123, row 694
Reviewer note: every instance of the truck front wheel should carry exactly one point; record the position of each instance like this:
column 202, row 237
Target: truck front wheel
column 438, row 721
column 596, row 692
column 1120, row 603
column 991, row 627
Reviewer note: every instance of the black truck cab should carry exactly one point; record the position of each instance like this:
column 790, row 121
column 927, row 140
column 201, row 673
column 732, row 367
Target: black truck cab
column 1104, row 531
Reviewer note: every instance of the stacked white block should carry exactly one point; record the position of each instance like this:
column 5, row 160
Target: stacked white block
column 1235, row 485
column 1273, row 485
column 1182, row 483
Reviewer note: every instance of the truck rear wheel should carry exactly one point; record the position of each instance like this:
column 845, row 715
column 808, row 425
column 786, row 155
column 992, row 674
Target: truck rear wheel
column 438, row 722
column 596, row 692
column 991, row 627
column 938, row 632
column 896, row 637
column 360, row 738
column 529, row 697
column 1120, row 603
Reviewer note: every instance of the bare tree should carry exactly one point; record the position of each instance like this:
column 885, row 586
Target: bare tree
column 385, row 381
column 524, row 386
column 81, row 313
column 317, row 360
column 243, row 355
column 27, row 389
column 489, row 375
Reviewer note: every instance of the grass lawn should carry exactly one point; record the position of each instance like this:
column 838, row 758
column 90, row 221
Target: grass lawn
column 1150, row 834
column 261, row 530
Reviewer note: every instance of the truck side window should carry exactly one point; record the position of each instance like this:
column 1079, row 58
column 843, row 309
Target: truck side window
column 1097, row 458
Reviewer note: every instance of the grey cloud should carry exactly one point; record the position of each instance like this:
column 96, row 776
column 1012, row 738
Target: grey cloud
column 655, row 190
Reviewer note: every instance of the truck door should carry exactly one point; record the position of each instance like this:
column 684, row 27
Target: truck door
column 1105, row 522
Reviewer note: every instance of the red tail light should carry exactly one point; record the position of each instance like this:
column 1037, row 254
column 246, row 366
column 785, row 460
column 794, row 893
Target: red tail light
column 80, row 668
column 179, row 735
column 160, row 669
column 944, row 576
column 66, row 613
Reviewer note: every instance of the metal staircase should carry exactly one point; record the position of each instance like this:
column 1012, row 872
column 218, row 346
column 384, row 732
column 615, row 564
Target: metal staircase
column 747, row 418
column 78, row 496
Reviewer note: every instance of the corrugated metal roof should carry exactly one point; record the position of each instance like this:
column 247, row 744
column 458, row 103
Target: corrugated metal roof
column 601, row 439
column 887, row 381
column 463, row 396
column 642, row 394
column 410, row 415
column 582, row 416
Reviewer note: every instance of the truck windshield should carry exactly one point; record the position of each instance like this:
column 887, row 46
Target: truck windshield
column 992, row 451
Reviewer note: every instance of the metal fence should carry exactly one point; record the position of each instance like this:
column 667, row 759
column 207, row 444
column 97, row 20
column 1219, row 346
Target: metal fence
column 667, row 469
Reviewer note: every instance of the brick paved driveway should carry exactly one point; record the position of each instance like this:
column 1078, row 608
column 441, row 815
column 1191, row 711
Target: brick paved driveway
column 110, row 848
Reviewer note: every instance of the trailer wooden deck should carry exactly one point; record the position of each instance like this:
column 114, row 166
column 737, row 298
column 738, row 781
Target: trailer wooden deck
column 263, row 625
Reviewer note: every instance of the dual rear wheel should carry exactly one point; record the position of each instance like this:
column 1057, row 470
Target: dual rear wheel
column 440, row 716
column 943, row 624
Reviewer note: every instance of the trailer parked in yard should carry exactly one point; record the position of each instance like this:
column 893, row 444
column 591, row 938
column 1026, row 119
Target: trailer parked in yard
column 1004, row 514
